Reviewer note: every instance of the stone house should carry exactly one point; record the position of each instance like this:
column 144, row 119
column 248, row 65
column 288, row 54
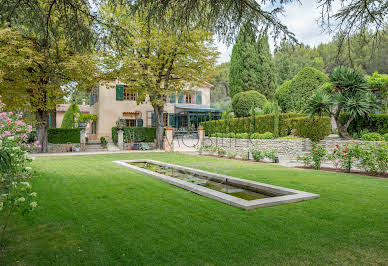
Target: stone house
column 112, row 101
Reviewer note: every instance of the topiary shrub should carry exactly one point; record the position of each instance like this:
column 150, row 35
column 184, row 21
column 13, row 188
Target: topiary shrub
column 282, row 96
column 373, row 136
column 243, row 102
column 64, row 135
column 71, row 116
column 293, row 95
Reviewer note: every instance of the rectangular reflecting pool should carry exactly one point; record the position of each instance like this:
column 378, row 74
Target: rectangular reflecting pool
column 234, row 191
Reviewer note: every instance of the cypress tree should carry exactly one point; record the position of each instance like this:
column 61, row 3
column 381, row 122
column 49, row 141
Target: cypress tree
column 251, row 66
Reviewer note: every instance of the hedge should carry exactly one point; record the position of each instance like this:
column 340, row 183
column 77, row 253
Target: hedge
column 141, row 134
column 64, row 135
column 243, row 102
column 375, row 123
column 260, row 124
column 314, row 129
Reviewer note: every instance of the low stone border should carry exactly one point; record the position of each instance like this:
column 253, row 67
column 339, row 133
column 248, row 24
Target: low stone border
column 285, row 195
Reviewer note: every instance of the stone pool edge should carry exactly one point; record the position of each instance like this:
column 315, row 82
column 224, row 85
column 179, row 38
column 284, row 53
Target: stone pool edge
column 289, row 195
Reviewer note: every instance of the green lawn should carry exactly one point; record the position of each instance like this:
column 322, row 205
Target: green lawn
column 94, row 212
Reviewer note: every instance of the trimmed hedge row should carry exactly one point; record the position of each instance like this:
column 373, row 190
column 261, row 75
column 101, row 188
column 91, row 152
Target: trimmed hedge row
column 257, row 124
column 64, row 135
column 314, row 129
column 375, row 123
column 140, row 134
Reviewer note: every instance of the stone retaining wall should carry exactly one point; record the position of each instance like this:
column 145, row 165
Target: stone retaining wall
column 284, row 147
column 57, row 148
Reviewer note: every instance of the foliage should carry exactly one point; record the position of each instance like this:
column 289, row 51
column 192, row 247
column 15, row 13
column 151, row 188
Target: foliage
column 15, row 189
column 41, row 54
column 282, row 96
column 345, row 156
column 271, row 154
column 257, row 154
column 379, row 85
column 64, row 135
column 243, row 102
column 103, row 141
column 71, row 116
column 349, row 93
column 251, row 66
column 86, row 117
column 156, row 60
column 315, row 128
column 266, row 135
column 290, row 59
column 261, row 124
column 219, row 78
column 373, row 136
column 221, row 151
column 373, row 158
column 374, row 123
column 231, row 155
column 386, row 136
column 138, row 134
column 293, row 96
column 314, row 158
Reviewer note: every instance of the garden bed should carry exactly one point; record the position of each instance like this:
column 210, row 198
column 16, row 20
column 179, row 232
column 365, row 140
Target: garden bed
column 336, row 170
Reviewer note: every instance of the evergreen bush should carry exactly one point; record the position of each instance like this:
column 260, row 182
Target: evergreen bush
column 71, row 116
column 64, row 135
column 244, row 102
column 139, row 134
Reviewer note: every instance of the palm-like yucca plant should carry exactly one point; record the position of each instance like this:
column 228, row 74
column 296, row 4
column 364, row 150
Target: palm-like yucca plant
column 349, row 93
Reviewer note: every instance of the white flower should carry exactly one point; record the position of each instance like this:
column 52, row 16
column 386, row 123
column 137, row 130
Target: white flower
column 26, row 184
column 21, row 199
column 33, row 204
column 33, row 194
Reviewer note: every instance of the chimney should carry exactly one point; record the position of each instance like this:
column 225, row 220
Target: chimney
column 83, row 102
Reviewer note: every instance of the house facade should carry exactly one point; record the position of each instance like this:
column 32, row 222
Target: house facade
column 112, row 101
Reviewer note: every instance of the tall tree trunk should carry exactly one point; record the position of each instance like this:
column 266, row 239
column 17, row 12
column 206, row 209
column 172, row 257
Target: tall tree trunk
column 342, row 129
column 41, row 129
column 158, row 111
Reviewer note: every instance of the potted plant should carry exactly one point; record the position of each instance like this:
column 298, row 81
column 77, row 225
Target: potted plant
column 120, row 124
column 84, row 119
column 104, row 142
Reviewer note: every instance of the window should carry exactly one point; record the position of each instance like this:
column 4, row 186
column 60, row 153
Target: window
column 129, row 94
column 165, row 119
column 131, row 122
column 189, row 98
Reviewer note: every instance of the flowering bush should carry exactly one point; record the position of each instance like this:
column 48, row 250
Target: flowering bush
column 314, row 158
column 257, row 154
column 15, row 190
column 373, row 158
column 345, row 157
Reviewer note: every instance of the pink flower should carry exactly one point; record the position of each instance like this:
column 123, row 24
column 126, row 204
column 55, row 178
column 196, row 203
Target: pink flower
column 19, row 123
column 334, row 151
column 29, row 128
column 337, row 145
column 24, row 136
column 18, row 130
column 3, row 114
column 8, row 121
column 20, row 116
column 344, row 155
column 7, row 133
column 379, row 143
column 36, row 143
column 10, row 113
column 315, row 149
column 28, row 146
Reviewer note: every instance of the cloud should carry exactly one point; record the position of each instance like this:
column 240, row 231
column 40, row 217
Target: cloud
column 301, row 19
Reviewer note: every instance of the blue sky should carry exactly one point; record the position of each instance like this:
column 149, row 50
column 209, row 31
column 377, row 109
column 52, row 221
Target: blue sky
column 300, row 19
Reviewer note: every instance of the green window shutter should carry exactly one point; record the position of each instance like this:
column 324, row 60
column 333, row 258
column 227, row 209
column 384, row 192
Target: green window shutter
column 198, row 99
column 181, row 98
column 153, row 122
column 140, row 123
column 171, row 118
column 119, row 92
column 173, row 98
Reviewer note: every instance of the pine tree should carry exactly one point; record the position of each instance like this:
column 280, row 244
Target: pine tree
column 251, row 66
